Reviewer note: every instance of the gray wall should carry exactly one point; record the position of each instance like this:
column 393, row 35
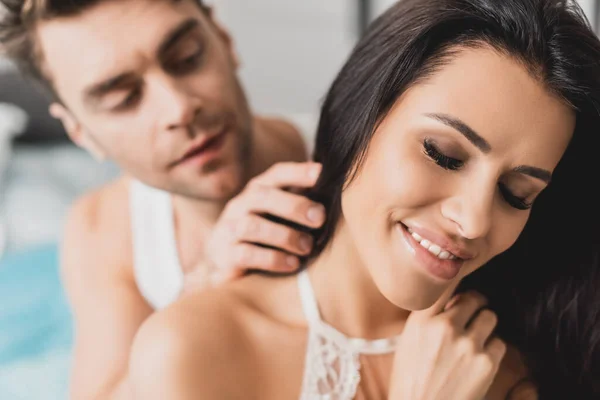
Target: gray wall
column 290, row 49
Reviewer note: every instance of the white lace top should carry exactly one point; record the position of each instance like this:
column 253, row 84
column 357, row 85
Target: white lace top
column 332, row 366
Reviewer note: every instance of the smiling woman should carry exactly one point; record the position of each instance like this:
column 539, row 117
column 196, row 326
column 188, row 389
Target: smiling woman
column 454, row 159
column 451, row 142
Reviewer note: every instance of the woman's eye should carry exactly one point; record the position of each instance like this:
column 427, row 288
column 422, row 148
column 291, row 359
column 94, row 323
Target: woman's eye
column 514, row 201
column 439, row 158
column 454, row 164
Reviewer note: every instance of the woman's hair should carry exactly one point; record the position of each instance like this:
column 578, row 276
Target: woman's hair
column 544, row 289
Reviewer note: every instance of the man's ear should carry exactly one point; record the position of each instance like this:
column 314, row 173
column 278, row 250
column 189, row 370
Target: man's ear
column 224, row 35
column 78, row 134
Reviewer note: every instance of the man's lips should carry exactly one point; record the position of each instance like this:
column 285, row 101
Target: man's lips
column 199, row 148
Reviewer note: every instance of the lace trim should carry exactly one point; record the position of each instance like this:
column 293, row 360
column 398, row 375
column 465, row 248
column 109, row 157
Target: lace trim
column 332, row 370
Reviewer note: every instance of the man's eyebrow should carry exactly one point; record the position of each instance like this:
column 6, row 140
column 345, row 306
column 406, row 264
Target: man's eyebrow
column 96, row 91
column 464, row 129
column 176, row 34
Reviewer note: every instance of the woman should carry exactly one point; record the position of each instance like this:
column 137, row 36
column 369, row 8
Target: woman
column 444, row 127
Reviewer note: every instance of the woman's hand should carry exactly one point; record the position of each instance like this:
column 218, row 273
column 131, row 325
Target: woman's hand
column 447, row 352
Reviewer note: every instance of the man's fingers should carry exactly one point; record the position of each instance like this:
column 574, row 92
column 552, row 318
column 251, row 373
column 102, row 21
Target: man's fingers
column 255, row 242
column 256, row 229
column 300, row 175
column 248, row 256
column 288, row 206
column 223, row 276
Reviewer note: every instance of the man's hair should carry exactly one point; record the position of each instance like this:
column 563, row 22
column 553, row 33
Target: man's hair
column 18, row 20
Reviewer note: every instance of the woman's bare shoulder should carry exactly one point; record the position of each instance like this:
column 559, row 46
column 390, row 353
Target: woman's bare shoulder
column 187, row 350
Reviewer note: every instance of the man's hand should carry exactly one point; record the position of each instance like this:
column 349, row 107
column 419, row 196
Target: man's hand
column 238, row 240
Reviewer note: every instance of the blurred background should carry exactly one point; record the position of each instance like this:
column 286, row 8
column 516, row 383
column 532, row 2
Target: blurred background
column 290, row 52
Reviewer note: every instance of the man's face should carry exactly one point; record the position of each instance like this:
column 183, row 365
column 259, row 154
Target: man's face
column 152, row 84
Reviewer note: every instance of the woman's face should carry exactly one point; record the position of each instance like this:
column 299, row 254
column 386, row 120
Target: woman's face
column 451, row 174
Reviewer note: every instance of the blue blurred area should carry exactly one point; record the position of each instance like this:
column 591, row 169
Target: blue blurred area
column 35, row 327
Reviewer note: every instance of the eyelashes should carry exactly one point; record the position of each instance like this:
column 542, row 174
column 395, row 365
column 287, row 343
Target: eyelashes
column 178, row 68
column 453, row 164
column 441, row 159
column 514, row 201
column 129, row 101
column 188, row 64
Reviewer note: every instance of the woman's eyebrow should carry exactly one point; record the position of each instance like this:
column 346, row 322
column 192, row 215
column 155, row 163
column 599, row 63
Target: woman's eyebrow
column 463, row 129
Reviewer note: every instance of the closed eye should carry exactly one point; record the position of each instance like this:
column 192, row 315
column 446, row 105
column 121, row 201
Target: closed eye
column 186, row 64
column 453, row 164
column 130, row 101
column 519, row 203
column 440, row 158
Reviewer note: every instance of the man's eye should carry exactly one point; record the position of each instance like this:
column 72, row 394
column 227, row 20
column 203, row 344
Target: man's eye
column 187, row 64
column 129, row 101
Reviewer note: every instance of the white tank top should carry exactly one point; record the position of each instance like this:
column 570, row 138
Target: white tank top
column 156, row 264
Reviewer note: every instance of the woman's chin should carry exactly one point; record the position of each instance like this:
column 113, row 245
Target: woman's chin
column 415, row 303
column 410, row 291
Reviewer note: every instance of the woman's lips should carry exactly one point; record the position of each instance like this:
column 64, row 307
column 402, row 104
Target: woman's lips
column 440, row 269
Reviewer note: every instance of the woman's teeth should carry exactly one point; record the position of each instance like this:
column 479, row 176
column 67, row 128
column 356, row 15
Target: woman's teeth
column 432, row 247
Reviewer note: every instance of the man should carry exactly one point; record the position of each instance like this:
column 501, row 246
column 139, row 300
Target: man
column 152, row 85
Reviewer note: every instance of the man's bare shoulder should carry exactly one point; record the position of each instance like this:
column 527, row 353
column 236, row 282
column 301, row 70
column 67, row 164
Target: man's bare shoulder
column 97, row 230
column 195, row 348
column 98, row 210
column 283, row 140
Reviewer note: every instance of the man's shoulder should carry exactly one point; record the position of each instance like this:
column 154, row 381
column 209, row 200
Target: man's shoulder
column 99, row 209
column 282, row 138
column 97, row 229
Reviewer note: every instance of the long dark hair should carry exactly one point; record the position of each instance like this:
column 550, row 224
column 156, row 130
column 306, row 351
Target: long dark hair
column 544, row 289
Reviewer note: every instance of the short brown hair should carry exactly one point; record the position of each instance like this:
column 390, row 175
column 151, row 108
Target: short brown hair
column 17, row 30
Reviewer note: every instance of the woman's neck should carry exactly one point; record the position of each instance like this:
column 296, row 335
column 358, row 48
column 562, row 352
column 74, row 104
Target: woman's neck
column 347, row 296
